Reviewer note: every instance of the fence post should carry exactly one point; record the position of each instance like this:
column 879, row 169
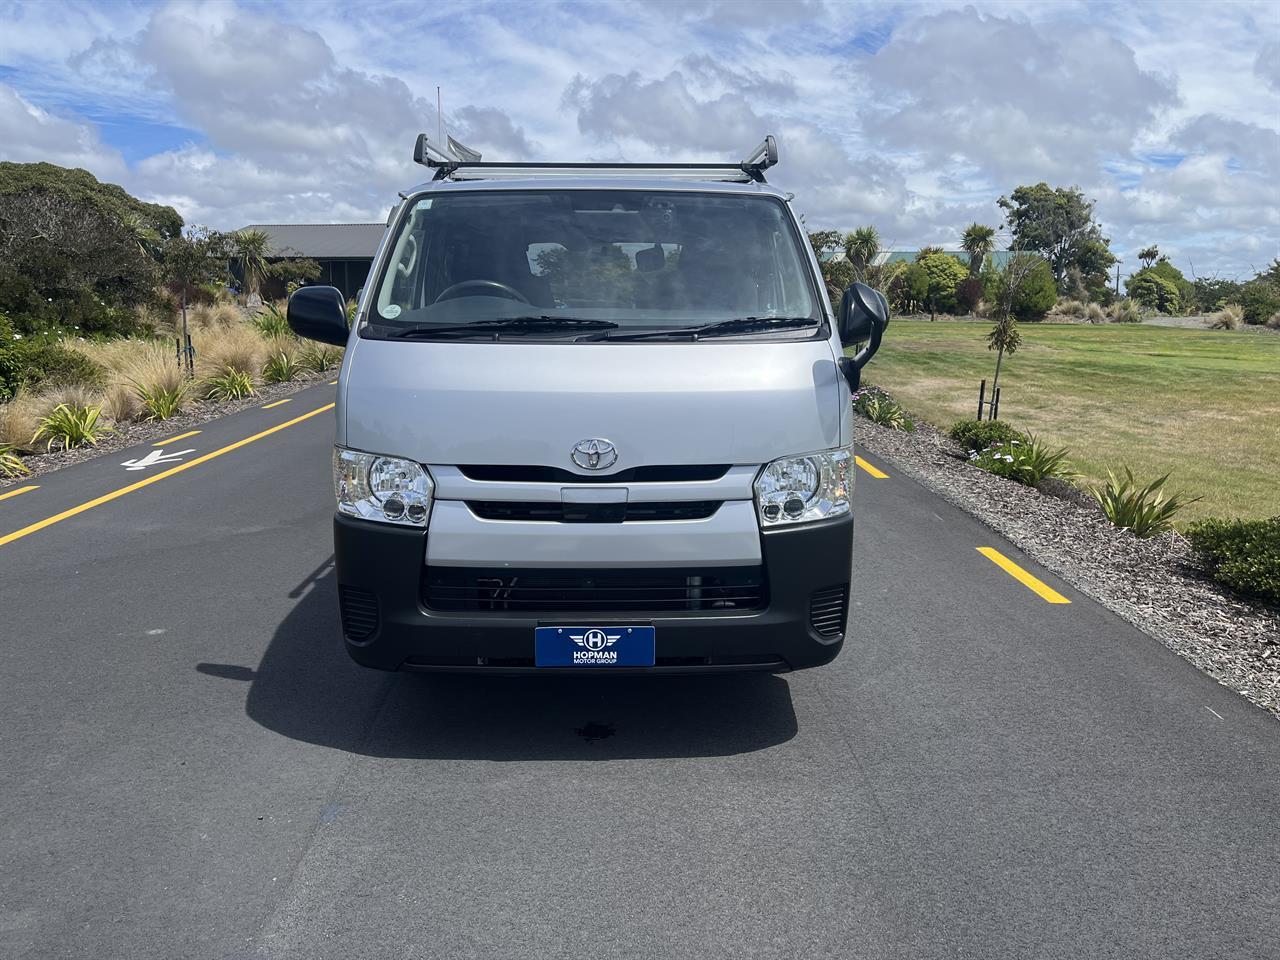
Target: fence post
column 982, row 393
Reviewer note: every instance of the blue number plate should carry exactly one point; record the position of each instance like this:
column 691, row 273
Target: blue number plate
column 593, row 646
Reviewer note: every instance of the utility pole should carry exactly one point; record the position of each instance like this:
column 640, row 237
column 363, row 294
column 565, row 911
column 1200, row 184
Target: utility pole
column 1118, row 262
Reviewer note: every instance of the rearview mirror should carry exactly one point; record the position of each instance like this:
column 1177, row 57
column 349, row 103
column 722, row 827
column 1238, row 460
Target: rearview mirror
column 319, row 313
column 864, row 315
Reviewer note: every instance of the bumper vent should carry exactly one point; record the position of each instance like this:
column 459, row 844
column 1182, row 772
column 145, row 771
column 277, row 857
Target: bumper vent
column 593, row 512
column 828, row 609
column 599, row 591
column 359, row 613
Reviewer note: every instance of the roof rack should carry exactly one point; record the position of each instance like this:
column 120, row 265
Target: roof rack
column 457, row 162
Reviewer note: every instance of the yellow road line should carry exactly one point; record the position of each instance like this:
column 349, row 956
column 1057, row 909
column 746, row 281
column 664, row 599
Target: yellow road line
column 181, row 436
column 873, row 470
column 147, row 481
column 14, row 493
column 333, row 383
column 1026, row 579
column 277, row 403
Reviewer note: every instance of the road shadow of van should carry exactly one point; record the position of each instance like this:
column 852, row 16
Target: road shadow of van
column 308, row 689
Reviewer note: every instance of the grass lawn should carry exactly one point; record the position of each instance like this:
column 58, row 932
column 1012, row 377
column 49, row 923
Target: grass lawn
column 1204, row 405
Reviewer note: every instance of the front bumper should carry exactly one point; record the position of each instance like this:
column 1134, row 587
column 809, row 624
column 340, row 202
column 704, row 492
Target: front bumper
column 380, row 570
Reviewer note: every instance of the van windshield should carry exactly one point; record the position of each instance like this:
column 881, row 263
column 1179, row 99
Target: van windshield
column 557, row 263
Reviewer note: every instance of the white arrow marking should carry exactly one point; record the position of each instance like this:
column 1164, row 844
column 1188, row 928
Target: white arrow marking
column 154, row 457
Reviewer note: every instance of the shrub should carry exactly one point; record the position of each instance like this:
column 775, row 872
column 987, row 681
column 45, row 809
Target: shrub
column 272, row 321
column 229, row 385
column 1070, row 308
column 70, row 426
column 879, row 407
column 20, row 418
column 1274, row 321
column 1036, row 291
column 1154, row 292
column 980, row 434
column 38, row 364
column 120, row 402
column 319, row 357
column 1095, row 314
column 945, row 273
column 11, row 464
column 1260, row 299
column 1241, row 554
column 1228, row 318
column 1025, row 461
column 1125, row 311
column 239, row 347
column 281, row 367
column 1142, row 510
column 162, row 400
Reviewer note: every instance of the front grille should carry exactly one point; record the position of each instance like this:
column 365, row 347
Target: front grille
column 675, row 473
column 593, row 512
column 828, row 609
column 359, row 613
column 658, row 591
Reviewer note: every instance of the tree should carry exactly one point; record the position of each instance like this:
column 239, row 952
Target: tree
column 837, row 272
column 74, row 251
column 1057, row 223
column 945, row 273
column 1019, row 285
column 1151, row 290
column 908, row 289
column 977, row 242
column 195, row 256
column 1026, row 283
column 1149, row 255
column 252, row 247
column 861, row 248
column 293, row 272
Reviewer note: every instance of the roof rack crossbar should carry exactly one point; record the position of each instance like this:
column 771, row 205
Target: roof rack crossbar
column 462, row 163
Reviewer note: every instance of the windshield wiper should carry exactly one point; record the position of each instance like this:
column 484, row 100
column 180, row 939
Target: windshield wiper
column 723, row 327
column 543, row 322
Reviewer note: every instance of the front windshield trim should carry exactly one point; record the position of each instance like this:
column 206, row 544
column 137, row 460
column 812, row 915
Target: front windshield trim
column 369, row 326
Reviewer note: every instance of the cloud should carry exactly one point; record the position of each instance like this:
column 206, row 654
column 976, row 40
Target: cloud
column 489, row 130
column 1267, row 66
column 30, row 135
column 912, row 117
column 1020, row 99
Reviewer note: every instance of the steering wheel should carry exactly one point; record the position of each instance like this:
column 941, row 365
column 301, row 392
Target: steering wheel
column 448, row 293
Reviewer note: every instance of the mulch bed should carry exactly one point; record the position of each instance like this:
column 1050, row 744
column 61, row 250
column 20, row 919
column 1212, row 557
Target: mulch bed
column 1155, row 584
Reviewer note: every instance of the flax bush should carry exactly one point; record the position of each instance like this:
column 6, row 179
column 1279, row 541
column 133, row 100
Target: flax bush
column 1143, row 510
column 70, row 426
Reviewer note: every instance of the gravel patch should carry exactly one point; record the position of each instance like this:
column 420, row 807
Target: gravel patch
column 126, row 435
column 1154, row 584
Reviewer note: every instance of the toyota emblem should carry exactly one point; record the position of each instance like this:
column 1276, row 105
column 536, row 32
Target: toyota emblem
column 595, row 454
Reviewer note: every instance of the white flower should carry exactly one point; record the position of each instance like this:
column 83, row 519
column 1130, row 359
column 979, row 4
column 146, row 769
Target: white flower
column 17, row 336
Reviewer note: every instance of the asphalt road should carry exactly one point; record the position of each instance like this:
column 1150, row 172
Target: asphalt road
column 192, row 768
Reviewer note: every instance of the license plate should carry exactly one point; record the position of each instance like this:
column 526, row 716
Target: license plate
column 593, row 646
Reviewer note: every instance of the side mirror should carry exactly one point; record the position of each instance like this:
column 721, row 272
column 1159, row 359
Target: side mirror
column 319, row 313
column 864, row 315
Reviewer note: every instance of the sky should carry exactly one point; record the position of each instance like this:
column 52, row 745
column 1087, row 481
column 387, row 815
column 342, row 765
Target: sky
column 913, row 117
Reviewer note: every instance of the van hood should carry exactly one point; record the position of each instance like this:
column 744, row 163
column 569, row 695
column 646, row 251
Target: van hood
column 530, row 403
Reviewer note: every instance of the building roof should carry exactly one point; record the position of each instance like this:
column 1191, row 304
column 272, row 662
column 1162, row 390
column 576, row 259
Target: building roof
column 322, row 241
column 999, row 258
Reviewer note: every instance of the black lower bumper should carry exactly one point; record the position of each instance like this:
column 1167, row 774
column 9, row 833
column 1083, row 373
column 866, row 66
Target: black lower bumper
column 386, row 625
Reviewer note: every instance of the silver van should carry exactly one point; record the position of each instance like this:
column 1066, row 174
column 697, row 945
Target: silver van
column 594, row 416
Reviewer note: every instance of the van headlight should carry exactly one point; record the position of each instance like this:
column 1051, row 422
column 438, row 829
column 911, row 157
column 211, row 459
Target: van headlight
column 813, row 486
column 387, row 489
